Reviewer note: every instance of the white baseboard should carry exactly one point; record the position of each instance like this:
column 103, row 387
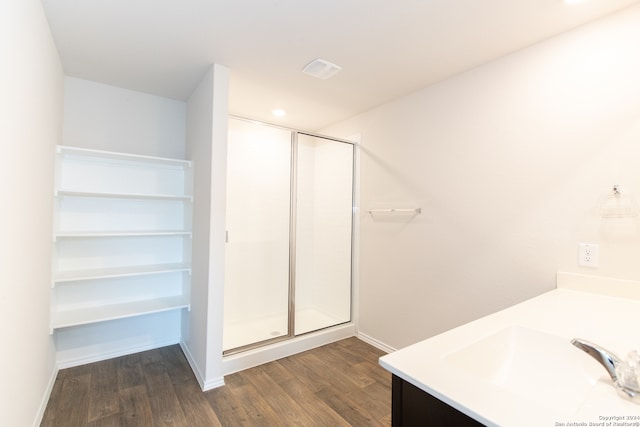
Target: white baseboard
column 194, row 366
column 45, row 397
column 204, row 384
column 98, row 357
column 374, row 342
column 210, row 385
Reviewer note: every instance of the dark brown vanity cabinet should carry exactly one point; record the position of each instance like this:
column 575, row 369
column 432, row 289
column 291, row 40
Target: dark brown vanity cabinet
column 412, row 406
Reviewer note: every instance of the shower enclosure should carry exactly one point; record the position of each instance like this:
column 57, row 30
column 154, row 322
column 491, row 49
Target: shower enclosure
column 289, row 234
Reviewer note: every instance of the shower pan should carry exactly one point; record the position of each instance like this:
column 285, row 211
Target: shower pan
column 288, row 263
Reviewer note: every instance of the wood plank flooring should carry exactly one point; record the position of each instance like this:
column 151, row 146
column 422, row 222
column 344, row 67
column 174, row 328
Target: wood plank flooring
column 339, row 384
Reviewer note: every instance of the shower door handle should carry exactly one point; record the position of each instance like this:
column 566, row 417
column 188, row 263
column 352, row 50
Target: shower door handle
column 226, row 236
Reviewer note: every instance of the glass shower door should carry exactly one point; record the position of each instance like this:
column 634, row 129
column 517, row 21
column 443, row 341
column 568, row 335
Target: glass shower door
column 323, row 233
column 256, row 302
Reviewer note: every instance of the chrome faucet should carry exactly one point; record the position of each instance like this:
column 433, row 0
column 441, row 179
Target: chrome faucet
column 625, row 374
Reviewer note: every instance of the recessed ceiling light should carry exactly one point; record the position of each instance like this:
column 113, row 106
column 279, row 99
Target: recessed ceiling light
column 573, row 1
column 278, row 112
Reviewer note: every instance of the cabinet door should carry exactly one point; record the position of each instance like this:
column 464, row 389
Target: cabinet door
column 412, row 406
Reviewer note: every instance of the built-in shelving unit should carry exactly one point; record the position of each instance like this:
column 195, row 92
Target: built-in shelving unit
column 122, row 236
column 94, row 233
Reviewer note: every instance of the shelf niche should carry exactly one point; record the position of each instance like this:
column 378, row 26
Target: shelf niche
column 122, row 236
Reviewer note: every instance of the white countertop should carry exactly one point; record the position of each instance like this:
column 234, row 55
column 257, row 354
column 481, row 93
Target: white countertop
column 581, row 307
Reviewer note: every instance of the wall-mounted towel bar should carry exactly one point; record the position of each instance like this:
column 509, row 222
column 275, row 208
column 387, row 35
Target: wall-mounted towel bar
column 393, row 210
column 619, row 205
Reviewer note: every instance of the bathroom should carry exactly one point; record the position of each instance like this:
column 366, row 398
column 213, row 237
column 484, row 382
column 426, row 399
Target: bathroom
column 505, row 199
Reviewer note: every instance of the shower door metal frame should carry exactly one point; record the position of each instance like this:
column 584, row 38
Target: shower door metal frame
column 293, row 221
column 292, row 236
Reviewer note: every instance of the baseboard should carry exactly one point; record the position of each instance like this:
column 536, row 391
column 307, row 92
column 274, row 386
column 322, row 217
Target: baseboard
column 204, row 384
column 98, row 357
column 210, row 385
column 194, row 366
column 45, row 397
column 374, row 342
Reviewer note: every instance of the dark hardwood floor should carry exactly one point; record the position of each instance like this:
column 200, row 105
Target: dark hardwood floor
column 339, row 384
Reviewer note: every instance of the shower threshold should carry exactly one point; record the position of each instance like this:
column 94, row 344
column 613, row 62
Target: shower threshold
column 253, row 331
column 286, row 347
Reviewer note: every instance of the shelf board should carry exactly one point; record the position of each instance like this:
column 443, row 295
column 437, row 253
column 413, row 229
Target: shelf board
column 65, row 319
column 87, row 152
column 140, row 196
column 133, row 233
column 106, row 273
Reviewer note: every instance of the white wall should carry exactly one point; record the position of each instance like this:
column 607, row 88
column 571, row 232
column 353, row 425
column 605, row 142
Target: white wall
column 207, row 114
column 508, row 162
column 104, row 117
column 110, row 118
column 30, row 126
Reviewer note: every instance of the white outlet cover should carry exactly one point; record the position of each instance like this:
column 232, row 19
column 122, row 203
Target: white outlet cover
column 588, row 254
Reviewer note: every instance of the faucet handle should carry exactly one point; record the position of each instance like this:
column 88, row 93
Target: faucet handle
column 628, row 372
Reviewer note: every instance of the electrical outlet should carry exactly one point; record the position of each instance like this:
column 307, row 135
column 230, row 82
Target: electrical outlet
column 588, row 255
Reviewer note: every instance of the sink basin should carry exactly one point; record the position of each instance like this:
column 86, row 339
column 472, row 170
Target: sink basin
column 540, row 367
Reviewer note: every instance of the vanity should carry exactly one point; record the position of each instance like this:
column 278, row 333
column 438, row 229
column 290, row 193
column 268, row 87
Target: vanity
column 517, row 367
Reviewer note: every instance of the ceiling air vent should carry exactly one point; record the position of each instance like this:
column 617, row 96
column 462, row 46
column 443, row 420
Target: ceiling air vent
column 321, row 69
